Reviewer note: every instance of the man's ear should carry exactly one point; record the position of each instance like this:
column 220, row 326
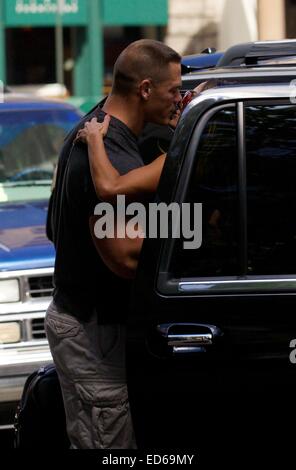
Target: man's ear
column 145, row 89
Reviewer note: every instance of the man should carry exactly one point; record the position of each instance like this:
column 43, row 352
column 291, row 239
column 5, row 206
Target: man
column 85, row 324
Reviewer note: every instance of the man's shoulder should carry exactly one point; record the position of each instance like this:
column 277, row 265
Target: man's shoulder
column 70, row 150
column 123, row 152
column 78, row 163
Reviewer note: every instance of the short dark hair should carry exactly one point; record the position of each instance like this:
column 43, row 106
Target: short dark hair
column 142, row 59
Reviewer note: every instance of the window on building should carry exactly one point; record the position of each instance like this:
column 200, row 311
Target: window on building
column 31, row 56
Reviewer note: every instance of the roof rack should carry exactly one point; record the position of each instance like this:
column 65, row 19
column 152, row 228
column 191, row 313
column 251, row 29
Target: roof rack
column 260, row 53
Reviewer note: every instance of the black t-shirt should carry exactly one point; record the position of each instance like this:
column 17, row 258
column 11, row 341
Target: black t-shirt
column 82, row 281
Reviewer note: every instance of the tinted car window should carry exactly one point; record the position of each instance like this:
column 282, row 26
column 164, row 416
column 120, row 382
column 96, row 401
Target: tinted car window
column 30, row 141
column 214, row 184
column 271, row 188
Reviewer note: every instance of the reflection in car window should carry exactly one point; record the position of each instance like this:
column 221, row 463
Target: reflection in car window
column 271, row 176
column 30, row 141
column 214, row 184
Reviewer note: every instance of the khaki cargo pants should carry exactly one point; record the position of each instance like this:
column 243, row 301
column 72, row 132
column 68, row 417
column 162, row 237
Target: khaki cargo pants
column 90, row 361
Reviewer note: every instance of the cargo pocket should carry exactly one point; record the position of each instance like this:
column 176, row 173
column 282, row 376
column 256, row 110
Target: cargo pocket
column 63, row 328
column 64, row 346
column 104, row 416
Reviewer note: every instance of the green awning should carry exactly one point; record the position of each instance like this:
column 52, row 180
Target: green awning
column 76, row 12
column 135, row 12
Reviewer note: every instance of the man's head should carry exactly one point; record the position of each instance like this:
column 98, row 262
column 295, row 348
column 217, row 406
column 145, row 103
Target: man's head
column 150, row 71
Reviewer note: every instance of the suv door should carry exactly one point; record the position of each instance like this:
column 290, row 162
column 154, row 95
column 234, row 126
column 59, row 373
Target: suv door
column 210, row 327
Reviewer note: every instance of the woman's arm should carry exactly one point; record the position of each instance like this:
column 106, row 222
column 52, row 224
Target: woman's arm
column 107, row 181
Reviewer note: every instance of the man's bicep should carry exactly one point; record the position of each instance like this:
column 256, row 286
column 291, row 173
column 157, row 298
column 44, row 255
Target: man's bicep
column 120, row 255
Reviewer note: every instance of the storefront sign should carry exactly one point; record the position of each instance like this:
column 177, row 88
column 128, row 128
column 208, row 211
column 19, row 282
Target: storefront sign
column 75, row 12
column 45, row 12
column 135, row 12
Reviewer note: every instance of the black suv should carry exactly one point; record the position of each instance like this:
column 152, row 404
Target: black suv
column 212, row 330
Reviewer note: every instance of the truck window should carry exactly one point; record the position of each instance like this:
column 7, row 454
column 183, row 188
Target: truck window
column 271, row 188
column 30, row 141
column 214, row 184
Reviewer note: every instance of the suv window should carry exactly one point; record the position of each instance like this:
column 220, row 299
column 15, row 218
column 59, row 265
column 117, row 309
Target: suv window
column 214, row 184
column 270, row 239
column 271, row 188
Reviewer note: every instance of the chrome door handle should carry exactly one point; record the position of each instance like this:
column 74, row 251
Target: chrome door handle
column 202, row 339
column 189, row 337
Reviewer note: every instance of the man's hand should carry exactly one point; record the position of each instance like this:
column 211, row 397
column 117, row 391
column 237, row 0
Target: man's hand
column 93, row 129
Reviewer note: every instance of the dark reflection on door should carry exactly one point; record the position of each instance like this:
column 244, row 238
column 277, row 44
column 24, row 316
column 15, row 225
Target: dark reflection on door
column 271, row 189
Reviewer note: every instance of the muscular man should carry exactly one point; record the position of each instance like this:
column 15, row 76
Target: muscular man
column 84, row 324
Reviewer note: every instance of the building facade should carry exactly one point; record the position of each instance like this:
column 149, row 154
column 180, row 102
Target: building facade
column 72, row 41
column 75, row 42
column 197, row 24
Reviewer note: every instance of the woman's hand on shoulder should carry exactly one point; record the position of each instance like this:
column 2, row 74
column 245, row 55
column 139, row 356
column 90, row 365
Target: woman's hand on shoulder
column 93, row 130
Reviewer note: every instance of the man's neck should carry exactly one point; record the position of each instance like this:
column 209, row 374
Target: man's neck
column 126, row 110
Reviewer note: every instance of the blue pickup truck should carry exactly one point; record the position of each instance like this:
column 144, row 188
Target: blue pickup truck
column 31, row 135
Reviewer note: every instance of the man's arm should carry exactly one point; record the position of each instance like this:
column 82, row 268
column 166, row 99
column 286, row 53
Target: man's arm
column 120, row 255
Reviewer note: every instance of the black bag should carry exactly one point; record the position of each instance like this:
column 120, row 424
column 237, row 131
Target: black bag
column 40, row 416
